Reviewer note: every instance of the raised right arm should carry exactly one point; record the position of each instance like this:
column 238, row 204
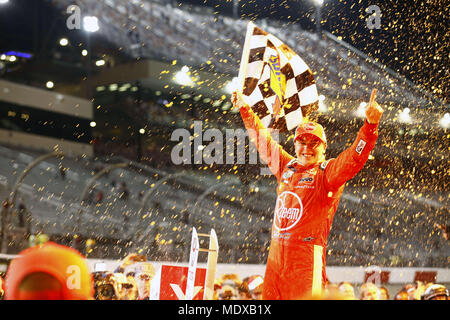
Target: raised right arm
column 270, row 151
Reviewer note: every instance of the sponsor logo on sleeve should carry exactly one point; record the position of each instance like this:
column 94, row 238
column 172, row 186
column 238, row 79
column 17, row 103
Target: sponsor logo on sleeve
column 324, row 164
column 360, row 146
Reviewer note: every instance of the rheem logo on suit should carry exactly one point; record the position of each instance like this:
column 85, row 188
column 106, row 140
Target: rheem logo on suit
column 287, row 217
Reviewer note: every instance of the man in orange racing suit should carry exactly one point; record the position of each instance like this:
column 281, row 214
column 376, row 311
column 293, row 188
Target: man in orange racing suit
column 308, row 193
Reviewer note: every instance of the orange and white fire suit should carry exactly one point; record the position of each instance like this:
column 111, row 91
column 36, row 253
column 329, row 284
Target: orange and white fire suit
column 307, row 199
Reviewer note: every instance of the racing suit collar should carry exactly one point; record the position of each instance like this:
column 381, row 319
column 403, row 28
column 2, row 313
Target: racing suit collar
column 294, row 164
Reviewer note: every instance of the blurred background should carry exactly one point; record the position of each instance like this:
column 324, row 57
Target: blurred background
column 92, row 91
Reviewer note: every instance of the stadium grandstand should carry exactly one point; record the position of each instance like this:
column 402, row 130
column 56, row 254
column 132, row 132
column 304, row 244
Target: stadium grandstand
column 99, row 115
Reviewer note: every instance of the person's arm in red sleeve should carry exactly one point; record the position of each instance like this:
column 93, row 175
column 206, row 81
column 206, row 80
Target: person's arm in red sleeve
column 352, row 160
column 270, row 150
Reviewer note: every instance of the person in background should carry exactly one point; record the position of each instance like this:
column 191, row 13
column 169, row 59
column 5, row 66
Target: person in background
column 227, row 293
column 2, row 290
column 243, row 291
column 145, row 272
column 384, row 293
column 49, row 272
column 255, row 285
column 369, row 291
column 123, row 286
column 414, row 290
column 132, row 292
column 401, row 295
column 419, row 290
column 445, row 230
column 99, row 197
column 331, row 290
column 435, row 292
column 346, row 290
column 230, row 283
column 217, row 289
column 257, row 293
column 105, row 286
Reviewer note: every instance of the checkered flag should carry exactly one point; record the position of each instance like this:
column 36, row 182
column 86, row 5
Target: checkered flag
column 276, row 82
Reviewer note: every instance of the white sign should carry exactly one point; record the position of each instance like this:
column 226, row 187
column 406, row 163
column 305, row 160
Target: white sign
column 155, row 286
column 193, row 257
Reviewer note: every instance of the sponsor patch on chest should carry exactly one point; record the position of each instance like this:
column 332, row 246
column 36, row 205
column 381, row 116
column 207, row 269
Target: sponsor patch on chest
column 287, row 174
column 308, row 180
column 288, row 211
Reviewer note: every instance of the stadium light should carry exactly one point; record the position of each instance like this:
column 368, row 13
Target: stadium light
column 322, row 106
column 405, row 116
column 4, row 1
column 361, row 111
column 318, row 16
column 231, row 86
column 445, row 121
column 17, row 54
column 63, row 42
column 90, row 24
column 182, row 77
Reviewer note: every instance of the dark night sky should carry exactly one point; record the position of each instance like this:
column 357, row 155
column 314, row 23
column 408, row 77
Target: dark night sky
column 413, row 38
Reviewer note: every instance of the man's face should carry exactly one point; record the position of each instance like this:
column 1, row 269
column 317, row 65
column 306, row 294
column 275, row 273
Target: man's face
column 309, row 149
column 383, row 294
column 131, row 290
column 347, row 291
column 370, row 293
column 144, row 283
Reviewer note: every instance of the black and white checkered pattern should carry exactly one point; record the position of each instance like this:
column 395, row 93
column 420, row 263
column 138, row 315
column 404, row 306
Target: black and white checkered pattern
column 300, row 97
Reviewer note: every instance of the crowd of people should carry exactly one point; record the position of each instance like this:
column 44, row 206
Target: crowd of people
column 55, row 272
column 244, row 290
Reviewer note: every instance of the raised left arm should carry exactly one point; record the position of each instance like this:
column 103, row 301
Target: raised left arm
column 352, row 160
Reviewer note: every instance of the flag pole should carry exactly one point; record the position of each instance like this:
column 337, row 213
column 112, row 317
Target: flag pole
column 245, row 55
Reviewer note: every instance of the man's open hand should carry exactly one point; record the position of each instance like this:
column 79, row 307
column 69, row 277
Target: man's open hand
column 373, row 111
